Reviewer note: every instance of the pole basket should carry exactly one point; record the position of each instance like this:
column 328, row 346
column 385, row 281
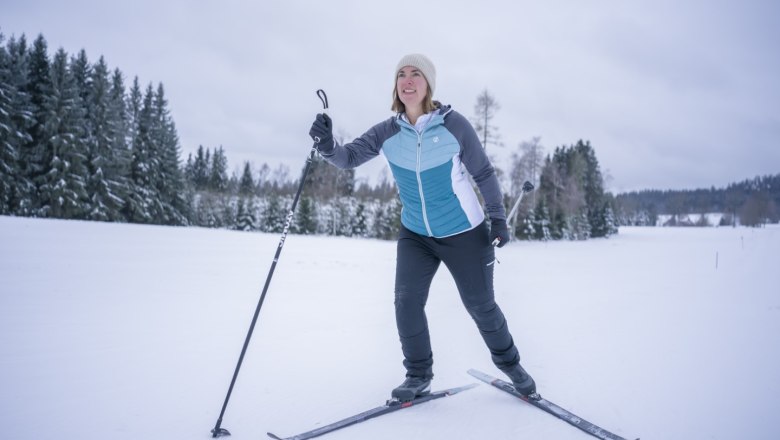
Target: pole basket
column 219, row 432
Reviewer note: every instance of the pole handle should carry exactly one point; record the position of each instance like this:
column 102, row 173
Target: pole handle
column 527, row 187
column 324, row 98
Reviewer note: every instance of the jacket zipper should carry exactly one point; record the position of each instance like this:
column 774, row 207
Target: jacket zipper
column 420, row 185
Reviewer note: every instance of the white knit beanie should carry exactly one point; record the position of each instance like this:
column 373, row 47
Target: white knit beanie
column 424, row 64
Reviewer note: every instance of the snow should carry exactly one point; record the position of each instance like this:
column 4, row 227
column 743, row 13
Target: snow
column 112, row 331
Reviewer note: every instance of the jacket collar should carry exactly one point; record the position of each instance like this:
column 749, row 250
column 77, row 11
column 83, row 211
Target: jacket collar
column 433, row 118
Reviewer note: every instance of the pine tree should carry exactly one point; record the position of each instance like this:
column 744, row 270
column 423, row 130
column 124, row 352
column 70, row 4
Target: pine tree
column 8, row 152
column 593, row 186
column 26, row 193
column 62, row 185
column 206, row 211
column 170, row 183
column 241, row 219
column 360, row 221
column 541, row 223
column 134, row 104
column 305, row 217
column 246, row 219
column 188, row 171
column 200, row 169
column 218, row 175
column 118, row 168
column 233, row 183
column 345, row 215
column 246, row 186
column 33, row 156
column 579, row 226
column 10, row 141
column 525, row 230
column 17, row 124
column 102, row 206
column 608, row 213
column 274, row 216
column 253, row 213
column 387, row 219
column 107, row 185
column 226, row 212
column 549, row 197
column 143, row 204
column 81, row 72
column 134, row 209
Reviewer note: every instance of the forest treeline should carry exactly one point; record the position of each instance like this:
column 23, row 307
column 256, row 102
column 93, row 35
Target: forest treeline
column 751, row 202
column 77, row 143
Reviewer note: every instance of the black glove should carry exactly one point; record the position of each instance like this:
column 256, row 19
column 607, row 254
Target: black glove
column 499, row 234
column 322, row 132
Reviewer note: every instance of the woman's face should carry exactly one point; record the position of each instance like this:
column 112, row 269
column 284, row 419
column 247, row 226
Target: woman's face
column 411, row 86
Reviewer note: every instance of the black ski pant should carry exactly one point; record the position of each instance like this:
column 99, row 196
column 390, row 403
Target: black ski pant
column 470, row 258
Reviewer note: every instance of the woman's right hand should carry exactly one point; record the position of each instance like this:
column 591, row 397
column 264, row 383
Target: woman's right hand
column 322, row 132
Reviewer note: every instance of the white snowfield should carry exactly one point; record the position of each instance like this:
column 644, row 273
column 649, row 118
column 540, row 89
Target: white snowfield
column 111, row 331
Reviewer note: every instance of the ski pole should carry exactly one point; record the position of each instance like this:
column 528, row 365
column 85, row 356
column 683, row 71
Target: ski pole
column 527, row 187
column 218, row 431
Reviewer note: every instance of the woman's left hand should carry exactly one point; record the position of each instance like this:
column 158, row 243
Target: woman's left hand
column 499, row 233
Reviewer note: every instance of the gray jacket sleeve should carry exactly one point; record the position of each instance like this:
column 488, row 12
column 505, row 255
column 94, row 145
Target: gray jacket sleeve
column 473, row 157
column 362, row 149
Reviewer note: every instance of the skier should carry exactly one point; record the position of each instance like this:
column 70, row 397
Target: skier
column 430, row 148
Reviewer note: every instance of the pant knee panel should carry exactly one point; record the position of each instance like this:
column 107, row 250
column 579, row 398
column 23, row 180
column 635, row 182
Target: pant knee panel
column 487, row 316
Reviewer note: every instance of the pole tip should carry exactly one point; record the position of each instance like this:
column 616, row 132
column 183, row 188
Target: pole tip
column 219, row 432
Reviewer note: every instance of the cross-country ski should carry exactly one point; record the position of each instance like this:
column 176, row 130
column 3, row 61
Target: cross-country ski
column 389, row 407
column 547, row 406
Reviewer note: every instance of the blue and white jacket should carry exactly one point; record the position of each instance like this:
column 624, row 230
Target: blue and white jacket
column 429, row 166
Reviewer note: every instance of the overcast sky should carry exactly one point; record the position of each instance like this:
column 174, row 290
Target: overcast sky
column 671, row 94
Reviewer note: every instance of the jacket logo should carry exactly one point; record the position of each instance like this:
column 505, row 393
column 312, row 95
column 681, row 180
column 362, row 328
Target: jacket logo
column 435, row 139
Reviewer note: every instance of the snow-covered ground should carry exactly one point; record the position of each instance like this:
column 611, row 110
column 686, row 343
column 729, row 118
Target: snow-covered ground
column 112, row 331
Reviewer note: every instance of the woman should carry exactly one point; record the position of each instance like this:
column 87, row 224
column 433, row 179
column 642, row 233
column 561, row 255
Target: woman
column 430, row 148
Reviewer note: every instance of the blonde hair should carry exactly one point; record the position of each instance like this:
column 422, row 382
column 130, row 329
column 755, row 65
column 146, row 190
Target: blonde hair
column 428, row 105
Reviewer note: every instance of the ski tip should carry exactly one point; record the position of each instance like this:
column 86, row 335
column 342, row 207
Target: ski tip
column 481, row 376
column 274, row 436
column 463, row 388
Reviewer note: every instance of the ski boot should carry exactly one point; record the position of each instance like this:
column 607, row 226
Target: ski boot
column 413, row 386
column 522, row 381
